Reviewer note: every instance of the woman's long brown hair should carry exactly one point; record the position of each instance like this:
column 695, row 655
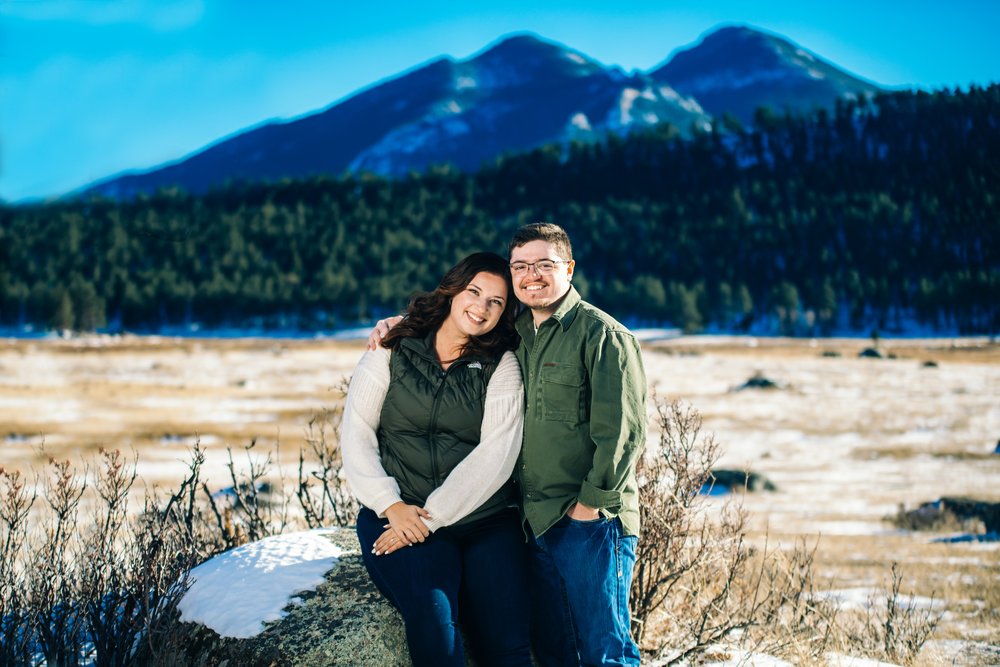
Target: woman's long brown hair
column 428, row 310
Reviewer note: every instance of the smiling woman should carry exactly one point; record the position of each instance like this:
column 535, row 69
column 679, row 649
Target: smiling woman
column 431, row 432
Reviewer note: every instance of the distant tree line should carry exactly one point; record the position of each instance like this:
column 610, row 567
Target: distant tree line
column 878, row 212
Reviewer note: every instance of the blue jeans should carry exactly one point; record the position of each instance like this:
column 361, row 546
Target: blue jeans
column 480, row 568
column 580, row 574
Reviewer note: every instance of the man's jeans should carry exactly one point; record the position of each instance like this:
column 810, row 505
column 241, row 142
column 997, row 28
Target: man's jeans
column 580, row 574
column 481, row 567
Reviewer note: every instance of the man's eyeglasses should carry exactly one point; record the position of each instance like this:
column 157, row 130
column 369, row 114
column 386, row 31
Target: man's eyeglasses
column 543, row 266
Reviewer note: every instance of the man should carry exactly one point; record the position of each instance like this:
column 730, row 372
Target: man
column 584, row 427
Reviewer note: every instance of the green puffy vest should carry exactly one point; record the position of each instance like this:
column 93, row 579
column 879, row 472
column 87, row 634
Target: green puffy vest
column 431, row 420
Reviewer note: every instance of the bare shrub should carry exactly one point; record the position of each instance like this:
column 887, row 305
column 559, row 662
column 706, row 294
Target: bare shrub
column 322, row 490
column 673, row 537
column 794, row 620
column 108, row 607
column 104, row 588
column 892, row 628
column 52, row 580
column 689, row 560
column 15, row 618
column 254, row 507
column 699, row 582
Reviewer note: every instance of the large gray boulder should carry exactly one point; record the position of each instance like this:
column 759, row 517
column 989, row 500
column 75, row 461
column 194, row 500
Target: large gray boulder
column 302, row 599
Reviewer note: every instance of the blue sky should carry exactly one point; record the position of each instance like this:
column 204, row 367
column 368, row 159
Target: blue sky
column 90, row 88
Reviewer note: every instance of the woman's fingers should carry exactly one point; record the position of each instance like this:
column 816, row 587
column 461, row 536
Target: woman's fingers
column 405, row 519
column 388, row 542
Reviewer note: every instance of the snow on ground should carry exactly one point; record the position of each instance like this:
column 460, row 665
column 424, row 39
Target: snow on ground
column 840, row 660
column 235, row 593
column 738, row 658
column 723, row 656
column 863, row 598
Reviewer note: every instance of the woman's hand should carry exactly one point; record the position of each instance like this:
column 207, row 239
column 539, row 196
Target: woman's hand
column 381, row 329
column 404, row 521
column 387, row 543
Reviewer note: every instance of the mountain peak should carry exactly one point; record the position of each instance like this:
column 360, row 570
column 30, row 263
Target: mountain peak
column 522, row 44
column 735, row 48
column 527, row 51
column 736, row 68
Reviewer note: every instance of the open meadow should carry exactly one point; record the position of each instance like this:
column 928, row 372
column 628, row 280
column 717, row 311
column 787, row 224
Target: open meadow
column 845, row 440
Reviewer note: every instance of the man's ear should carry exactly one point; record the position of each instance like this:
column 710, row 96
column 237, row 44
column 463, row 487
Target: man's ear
column 570, row 265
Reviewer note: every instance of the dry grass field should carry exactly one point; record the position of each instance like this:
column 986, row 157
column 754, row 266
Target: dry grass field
column 845, row 440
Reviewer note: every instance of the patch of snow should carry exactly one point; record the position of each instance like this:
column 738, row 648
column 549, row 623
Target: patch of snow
column 452, row 107
column 647, row 105
column 687, row 103
column 865, row 598
column 580, row 121
column 841, row 660
column 669, row 93
column 576, row 57
column 432, row 131
column 738, row 657
column 235, row 593
column 850, row 527
column 465, row 82
column 724, row 655
column 656, row 334
column 805, row 55
column 625, row 103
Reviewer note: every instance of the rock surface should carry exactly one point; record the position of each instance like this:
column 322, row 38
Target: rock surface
column 738, row 480
column 946, row 511
column 345, row 621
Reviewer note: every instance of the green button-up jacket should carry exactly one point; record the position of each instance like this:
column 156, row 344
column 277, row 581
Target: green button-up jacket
column 585, row 418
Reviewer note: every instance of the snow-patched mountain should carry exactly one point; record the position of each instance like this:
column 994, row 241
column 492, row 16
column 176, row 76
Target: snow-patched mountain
column 737, row 69
column 521, row 93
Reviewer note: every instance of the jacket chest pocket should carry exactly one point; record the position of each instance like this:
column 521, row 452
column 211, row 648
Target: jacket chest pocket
column 562, row 393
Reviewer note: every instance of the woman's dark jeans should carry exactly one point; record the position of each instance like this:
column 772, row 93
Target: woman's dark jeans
column 480, row 569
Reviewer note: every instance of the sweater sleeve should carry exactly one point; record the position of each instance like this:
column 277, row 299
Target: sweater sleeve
column 358, row 441
column 491, row 463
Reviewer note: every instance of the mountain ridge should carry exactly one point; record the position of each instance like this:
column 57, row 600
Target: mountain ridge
column 518, row 93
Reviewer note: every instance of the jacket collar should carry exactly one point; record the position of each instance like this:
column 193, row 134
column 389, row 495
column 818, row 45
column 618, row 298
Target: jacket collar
column 564, row 315
column 424, row 348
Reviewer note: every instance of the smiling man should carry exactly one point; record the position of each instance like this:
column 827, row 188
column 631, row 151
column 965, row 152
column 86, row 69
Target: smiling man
column 584, row 427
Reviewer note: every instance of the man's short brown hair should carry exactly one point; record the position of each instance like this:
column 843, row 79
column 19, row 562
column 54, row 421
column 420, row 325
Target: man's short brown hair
column 543, row 231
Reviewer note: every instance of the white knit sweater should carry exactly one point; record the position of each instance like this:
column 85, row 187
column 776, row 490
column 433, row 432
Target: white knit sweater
column 471, row 482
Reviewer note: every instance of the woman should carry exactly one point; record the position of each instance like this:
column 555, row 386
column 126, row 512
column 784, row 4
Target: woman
column 431, row 433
